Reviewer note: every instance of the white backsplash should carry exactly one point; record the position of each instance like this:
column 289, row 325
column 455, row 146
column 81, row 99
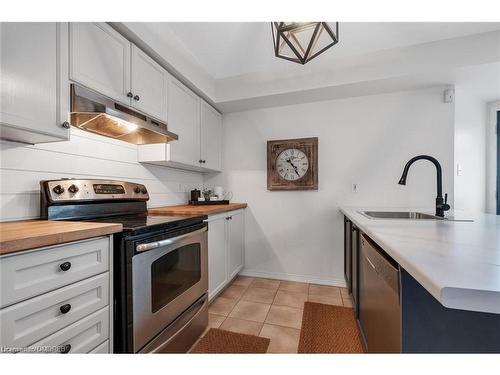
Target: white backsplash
column 86, row 155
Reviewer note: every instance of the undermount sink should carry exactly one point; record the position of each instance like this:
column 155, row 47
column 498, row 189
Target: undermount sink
column 410, row 215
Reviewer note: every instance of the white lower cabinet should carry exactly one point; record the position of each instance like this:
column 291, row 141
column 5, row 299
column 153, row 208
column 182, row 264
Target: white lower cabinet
column 82, row 336
column 101, row 349
column 236, row 243
column 217, row 265
column 226, row 249
column 68, row 303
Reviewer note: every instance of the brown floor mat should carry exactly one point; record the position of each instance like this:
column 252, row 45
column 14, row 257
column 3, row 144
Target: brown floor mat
column 329, row 329
column 220, row 341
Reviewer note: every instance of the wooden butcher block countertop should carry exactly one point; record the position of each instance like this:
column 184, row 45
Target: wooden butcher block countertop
column 29, row 234
column 187, row 209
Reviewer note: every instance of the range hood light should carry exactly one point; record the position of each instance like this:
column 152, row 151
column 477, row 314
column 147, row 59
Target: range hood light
column 98, row 114
column 127, row 125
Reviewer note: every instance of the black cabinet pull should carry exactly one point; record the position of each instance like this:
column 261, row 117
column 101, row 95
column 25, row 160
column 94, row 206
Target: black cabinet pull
column 65, row 266
column 65, row 308
column 65, row 125
column 129, row 94
column 137, row 98
column 66, row 348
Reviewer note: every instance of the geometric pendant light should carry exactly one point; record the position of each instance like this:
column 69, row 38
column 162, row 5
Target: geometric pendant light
column 302, row 41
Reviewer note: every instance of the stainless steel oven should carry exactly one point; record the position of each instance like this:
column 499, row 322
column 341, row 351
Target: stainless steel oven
column 167, row 276
column 160, row 281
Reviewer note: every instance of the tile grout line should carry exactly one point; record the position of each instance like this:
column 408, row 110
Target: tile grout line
column 237, row 301
column 270, row 306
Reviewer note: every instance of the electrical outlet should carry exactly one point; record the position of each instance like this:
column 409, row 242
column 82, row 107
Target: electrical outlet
column 459, row 169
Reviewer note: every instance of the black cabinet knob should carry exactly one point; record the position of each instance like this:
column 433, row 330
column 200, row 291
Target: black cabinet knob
column 66, row 348
column 65, row 125
column 58, row 189
column 65, row 308
column 65, row 266
column 73, row 189
column 129, row 94
column 137, row 98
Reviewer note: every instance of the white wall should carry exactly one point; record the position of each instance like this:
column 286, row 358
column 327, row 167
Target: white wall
column 365, row 140
column 86, row 156
column 491, row 157
column 470, row 151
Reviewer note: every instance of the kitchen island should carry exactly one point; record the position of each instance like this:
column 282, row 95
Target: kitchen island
column 449, row 278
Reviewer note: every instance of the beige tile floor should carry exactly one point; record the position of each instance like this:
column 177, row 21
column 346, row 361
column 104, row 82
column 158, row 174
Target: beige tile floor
column 270, row 308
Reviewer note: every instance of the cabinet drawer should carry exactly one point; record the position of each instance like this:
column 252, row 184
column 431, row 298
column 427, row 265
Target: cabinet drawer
column 82, row 336
column 31, row 274
column 101, row 349
column 27, row 322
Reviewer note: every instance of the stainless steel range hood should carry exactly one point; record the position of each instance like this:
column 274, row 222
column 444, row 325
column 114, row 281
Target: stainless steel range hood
column 98, row 114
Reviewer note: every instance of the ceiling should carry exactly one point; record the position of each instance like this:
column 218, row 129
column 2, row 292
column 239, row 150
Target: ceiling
column 225, row 50
column 232, row 65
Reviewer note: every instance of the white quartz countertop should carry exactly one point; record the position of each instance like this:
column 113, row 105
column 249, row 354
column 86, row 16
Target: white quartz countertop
column 457, row 262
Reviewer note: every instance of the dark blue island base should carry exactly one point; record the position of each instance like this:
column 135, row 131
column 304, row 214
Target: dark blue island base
column 429, row 327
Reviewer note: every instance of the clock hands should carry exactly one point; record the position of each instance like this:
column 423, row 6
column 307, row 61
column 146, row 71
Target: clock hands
column 289, row 161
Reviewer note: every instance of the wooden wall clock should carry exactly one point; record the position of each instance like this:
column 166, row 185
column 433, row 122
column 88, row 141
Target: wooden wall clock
column 292, row 164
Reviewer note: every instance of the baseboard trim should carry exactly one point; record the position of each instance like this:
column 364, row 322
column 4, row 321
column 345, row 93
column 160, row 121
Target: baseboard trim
column 292, row 277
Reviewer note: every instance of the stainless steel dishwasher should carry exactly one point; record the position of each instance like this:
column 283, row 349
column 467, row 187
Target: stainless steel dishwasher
column 379, row 308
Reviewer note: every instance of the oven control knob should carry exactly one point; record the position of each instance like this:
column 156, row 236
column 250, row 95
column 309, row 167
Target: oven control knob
column 137, row 190
column 143, row 190
column 73, row 189
column 58, row 189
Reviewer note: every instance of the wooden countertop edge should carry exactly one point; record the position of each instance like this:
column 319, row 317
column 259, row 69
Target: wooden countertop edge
column 38, row 240
column 186, row 209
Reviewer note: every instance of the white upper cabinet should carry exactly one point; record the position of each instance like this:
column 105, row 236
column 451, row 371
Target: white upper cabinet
column 34, row 92
column 184, row 120
column 149, row 85
column 199, row 128
column 100, row 59
column 211, row 138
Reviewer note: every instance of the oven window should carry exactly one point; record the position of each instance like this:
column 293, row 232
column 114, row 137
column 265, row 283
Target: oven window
column 174, row 273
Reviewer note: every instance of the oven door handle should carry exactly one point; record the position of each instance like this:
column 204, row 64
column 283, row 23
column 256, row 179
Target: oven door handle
column 168, row 241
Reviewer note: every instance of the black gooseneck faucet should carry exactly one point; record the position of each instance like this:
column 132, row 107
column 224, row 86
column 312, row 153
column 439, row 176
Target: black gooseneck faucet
column 441, row 204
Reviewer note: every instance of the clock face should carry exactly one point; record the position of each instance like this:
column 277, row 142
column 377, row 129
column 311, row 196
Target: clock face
column 292, row 164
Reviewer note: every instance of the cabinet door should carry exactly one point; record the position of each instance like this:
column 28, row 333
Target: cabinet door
column 149, row 85
column 100, row 59
column 347, row 253
column 184, row 120
column 354, row 267
column 34, row 92
column 211, row 137
column 217, row 263
column 236, row 242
